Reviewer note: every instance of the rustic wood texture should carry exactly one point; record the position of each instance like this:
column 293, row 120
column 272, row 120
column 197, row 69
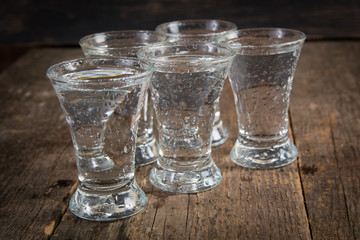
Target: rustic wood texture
column 66, row 21
column 325, row 115
column 36, row 158
column 316, row 197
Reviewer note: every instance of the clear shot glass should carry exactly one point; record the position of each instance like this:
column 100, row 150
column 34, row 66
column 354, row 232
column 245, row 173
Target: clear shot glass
column 127, row 43
column 186, row 86
column 101, row 99
column 201, row 30
column 261, row 77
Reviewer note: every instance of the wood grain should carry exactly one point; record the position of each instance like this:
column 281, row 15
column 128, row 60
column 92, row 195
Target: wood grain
column 36, row 157
column 325, row 115
column 314, row 198
column 247, row 204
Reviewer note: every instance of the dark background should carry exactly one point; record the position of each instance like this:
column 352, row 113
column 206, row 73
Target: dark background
column 55, row 22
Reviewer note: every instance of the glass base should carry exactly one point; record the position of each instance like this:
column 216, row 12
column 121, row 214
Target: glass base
column 185, row 181
column 264, row 158
column 219, row 135
column 146, row 153
column 108, row 205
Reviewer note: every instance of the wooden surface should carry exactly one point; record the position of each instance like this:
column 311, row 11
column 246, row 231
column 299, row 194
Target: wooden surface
column 316, row 197
column 62, row 22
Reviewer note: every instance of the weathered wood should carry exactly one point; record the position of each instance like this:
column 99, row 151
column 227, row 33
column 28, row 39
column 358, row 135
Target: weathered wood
column 37, row 170
column 254, row 204
column 326, row 119
column 246, row 205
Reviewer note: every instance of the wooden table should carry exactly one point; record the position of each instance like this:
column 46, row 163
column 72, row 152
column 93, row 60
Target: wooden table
column 316, row 197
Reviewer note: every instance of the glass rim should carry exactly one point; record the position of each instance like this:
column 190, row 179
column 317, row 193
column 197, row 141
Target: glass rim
column 141, row 54
column 160, row 27
column 84, row 41
column 69, row 64
column 247, row 32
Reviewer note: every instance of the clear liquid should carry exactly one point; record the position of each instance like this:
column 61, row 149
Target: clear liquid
column 145, row 125
column 103, row 127
column 262, row 86
column 185, row 100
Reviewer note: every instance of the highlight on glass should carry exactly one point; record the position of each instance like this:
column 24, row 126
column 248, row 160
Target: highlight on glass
column 127, row 43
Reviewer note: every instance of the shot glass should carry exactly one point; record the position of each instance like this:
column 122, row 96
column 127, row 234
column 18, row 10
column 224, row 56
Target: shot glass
column 261, row 77
column 201, row 30
column 127, row 43
column 101, row 99
column 186, row 86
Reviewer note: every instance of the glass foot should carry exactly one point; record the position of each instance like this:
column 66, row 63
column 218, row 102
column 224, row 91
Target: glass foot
column 264, row 158
column 146, row 153
column 219, row 135
column 186, row 181
column 108, row 205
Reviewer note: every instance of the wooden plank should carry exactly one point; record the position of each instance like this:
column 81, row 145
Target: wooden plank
column 37, row 170
column 246, row 205
column 326, row 119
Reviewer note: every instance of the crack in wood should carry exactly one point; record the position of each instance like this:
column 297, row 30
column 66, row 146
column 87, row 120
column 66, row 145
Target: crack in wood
column 156, row 209
column 70, row 193
column 341, row 180
column 164, row 227
column 300, row 175
column 187, row 214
